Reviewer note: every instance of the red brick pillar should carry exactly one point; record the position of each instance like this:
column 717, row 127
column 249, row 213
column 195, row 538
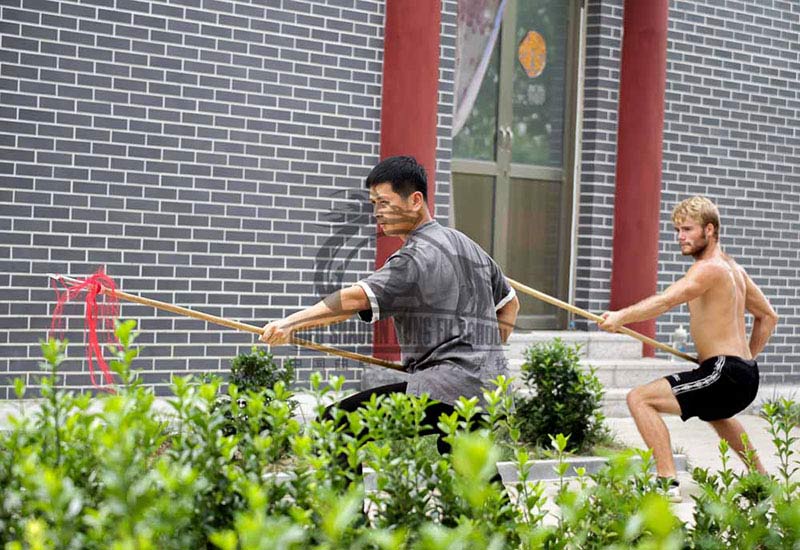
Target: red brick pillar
column 409, row 103
column 637, row 209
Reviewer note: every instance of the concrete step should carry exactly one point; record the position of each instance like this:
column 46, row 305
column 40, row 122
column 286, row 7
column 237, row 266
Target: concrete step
column 622, row 373
column 616, row 358
column 594, row 345
column 618, row 373
column 614, row 403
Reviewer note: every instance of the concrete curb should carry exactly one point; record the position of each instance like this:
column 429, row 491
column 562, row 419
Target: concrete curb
column 541, row 470
column 545, row 470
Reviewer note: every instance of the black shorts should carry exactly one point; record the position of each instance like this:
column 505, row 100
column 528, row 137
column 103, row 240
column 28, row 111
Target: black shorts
column 719, row 388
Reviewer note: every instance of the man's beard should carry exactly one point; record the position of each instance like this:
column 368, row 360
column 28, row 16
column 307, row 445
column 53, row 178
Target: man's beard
column 697, row 248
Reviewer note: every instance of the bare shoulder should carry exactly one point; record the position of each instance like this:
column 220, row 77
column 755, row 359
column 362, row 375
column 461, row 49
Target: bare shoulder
column 710, row 270
column 737, row 269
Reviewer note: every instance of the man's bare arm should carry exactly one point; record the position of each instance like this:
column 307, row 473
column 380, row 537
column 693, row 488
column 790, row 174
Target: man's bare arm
column 336, row 307
column 507, row 317
column 697, row 280
column 764, row 317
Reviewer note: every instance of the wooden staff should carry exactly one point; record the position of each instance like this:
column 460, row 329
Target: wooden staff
column 236, row 325
column 591, row 316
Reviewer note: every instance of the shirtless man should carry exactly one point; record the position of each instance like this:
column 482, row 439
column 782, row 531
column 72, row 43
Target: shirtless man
column 718, row 291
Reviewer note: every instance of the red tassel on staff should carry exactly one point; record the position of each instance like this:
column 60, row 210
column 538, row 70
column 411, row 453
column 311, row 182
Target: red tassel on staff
column 98, row 315
column 104, row 285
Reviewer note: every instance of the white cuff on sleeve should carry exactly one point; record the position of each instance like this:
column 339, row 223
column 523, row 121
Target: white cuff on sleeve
column 373, row 301
column 504, row 301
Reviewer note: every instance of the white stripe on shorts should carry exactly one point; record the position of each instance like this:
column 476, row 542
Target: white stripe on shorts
column 703, row 382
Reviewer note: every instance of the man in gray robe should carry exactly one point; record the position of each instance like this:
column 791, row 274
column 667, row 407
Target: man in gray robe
column 452, row 307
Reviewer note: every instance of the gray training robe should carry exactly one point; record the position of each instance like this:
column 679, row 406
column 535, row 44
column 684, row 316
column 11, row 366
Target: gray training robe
column 443, row 292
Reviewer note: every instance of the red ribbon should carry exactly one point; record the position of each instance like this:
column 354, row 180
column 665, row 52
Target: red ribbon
column 100, row 314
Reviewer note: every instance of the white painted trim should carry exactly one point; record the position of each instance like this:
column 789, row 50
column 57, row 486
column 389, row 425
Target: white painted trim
column 504, row 301
column 373, row 301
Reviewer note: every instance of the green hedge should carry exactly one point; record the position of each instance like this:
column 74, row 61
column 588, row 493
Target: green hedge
column 562, row 397
column 107, row 472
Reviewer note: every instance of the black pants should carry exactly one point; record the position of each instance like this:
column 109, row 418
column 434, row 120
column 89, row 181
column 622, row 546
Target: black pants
column 432, row 414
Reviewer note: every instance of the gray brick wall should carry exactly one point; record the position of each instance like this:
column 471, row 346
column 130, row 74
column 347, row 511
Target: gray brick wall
column 444, row 140
column 598, row 156
column 731, row 132
column 208, row 153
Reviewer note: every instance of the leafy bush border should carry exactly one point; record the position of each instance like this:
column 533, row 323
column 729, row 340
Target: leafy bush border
column 99, row 477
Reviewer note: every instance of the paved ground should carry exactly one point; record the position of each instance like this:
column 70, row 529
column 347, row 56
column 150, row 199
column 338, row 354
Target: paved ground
column 700, row 443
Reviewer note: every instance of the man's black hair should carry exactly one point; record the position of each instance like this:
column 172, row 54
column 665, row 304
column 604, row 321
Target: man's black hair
column 404, row 173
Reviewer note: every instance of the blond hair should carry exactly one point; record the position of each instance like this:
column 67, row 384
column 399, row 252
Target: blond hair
column 698, row 209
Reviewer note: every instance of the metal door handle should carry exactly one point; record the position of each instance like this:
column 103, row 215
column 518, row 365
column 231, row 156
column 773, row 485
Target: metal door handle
column 506, row 135
column 503, row 136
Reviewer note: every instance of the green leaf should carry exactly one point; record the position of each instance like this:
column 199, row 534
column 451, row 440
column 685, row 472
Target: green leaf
column 19, row 388
column 225, row 540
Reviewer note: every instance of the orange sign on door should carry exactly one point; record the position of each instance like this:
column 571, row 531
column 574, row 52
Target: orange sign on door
column 532, row 53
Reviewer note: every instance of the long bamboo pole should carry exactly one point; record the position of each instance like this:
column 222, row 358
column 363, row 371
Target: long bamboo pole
column 591, row 316
column 236, row 325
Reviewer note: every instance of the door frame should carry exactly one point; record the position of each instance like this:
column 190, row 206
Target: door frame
column 503, row 170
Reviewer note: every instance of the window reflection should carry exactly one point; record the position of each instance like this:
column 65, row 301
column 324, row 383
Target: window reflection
column 538, row 95
column 476, row 140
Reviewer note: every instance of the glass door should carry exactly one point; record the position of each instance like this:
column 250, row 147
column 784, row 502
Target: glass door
column 513, row 157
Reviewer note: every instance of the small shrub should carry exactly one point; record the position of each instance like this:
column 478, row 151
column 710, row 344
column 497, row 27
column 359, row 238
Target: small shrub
column 617, row 507
column 787, row 408
column 564, row 397
column 255, row 373
column 258, row 371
